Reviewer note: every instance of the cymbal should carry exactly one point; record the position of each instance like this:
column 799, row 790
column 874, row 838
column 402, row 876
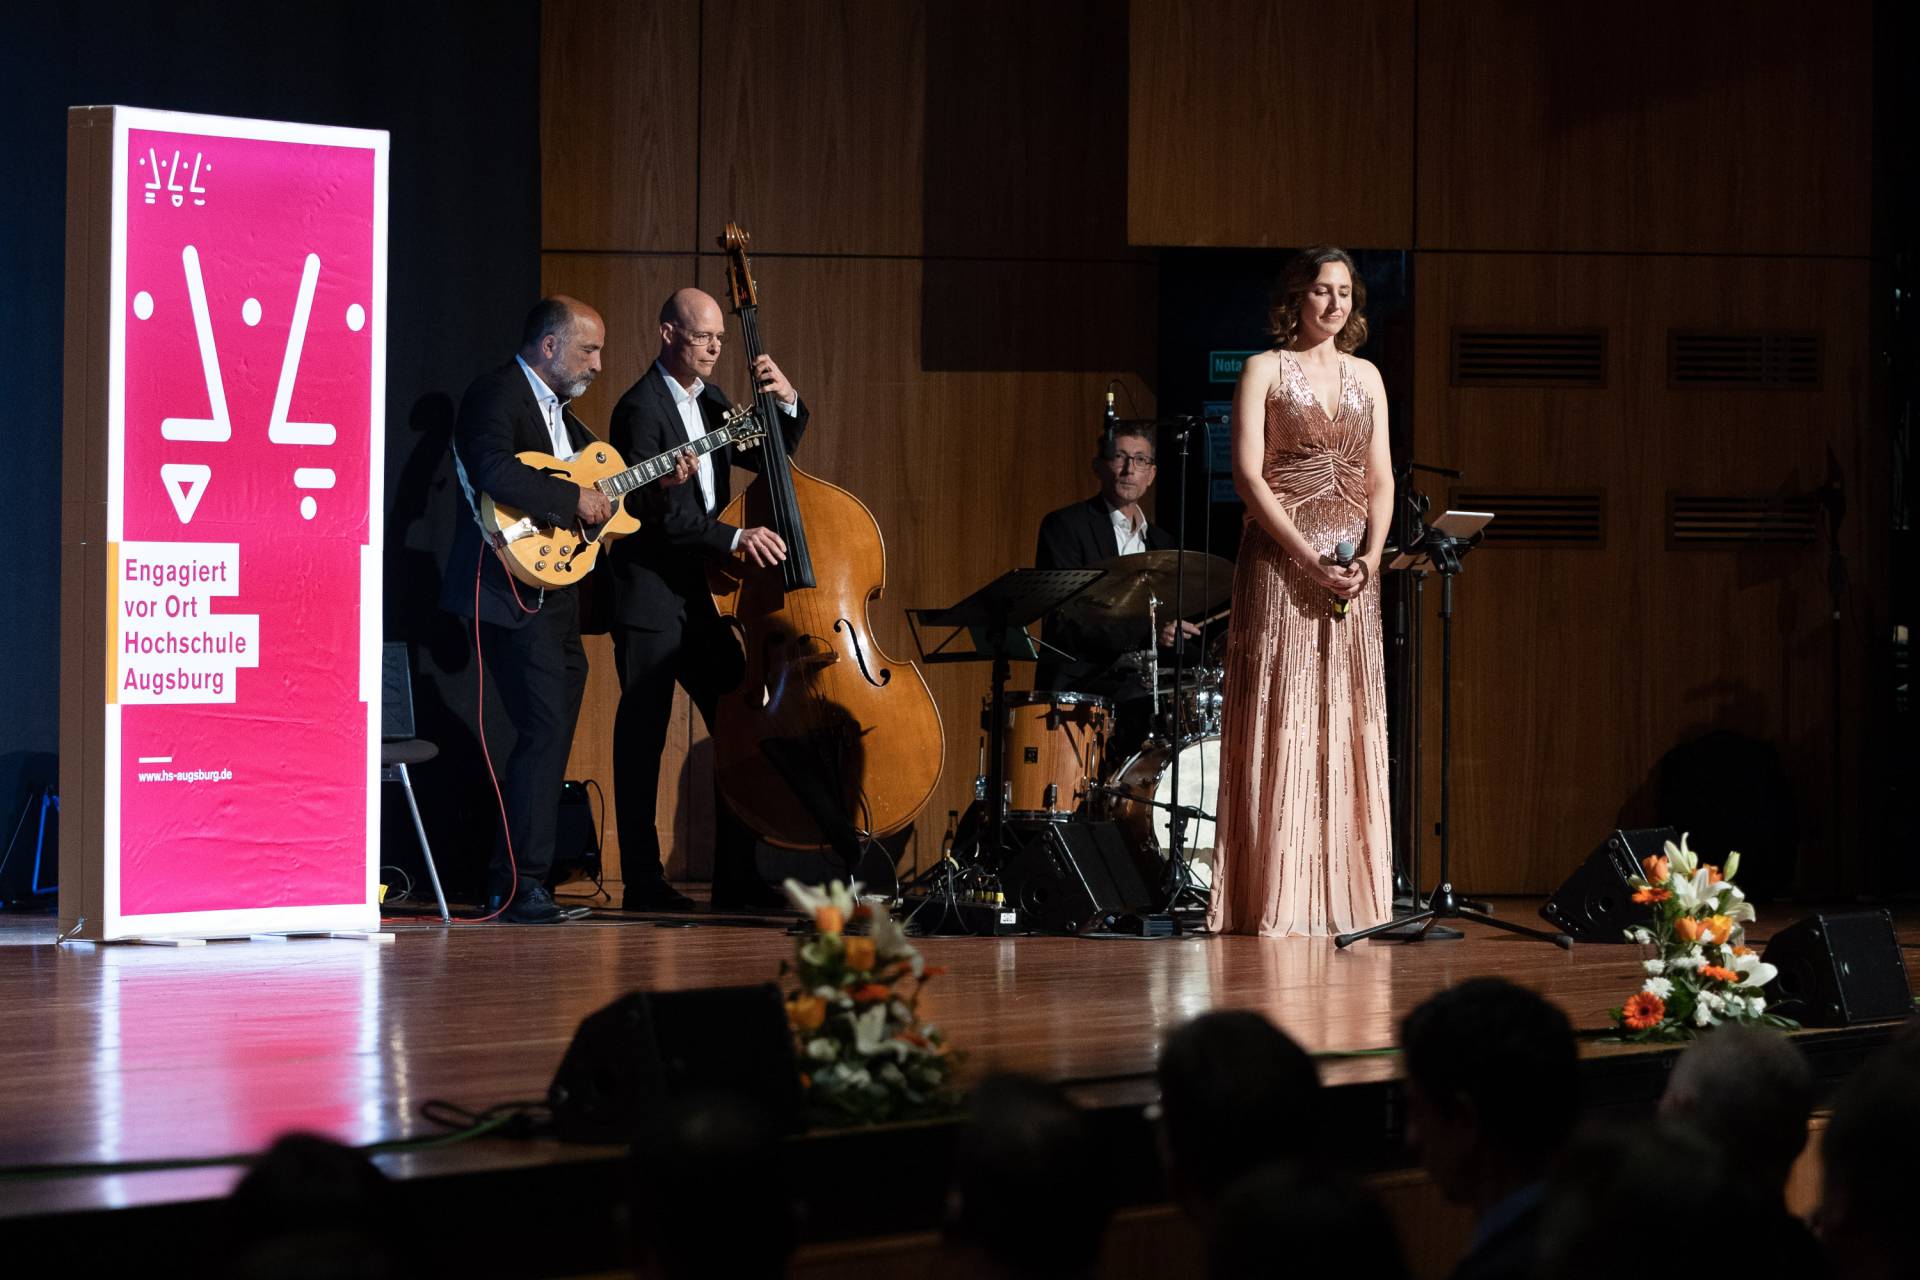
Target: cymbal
column 1132, row 581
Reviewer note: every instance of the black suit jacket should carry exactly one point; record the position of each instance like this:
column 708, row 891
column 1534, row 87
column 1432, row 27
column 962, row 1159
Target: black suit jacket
column 657, row 571
column 499, row 417
column 1078, row 537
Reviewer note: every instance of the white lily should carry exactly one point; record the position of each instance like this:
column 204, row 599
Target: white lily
column 890, row 942
column 1754, row 972
column 834, row 894
column 1733, row 864
column 1681, row 860
column 870, row 1034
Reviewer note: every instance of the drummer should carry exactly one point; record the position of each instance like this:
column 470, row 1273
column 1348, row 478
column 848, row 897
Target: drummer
column 1081, row 536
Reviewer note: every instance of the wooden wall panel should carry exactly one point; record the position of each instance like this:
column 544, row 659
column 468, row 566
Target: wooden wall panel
column 1026, row 129
column 1726, row 126
column 1576, row 670
column 1261, row 123
column 810, row 123
column 619, row 96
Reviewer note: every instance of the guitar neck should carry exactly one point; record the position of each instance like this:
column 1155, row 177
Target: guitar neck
column 645, row 473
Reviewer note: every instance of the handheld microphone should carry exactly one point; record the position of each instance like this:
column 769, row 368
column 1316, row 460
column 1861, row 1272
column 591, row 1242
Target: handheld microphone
column 1342, row 556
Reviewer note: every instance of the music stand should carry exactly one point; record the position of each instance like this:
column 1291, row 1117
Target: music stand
column 1439, row 549
column 995, row 618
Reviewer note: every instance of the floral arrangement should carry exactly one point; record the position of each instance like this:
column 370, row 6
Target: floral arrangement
column 1704, row 973
column 865, row 1055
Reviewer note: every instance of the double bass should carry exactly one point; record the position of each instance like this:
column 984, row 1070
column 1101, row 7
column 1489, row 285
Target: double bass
column 825, row 725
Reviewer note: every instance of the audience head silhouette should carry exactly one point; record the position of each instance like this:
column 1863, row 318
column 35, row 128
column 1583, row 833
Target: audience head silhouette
column 1030, row 1193
column 1750, row 1090
column 1235, row 1094
column 1866, row 1188
column 710, row 1191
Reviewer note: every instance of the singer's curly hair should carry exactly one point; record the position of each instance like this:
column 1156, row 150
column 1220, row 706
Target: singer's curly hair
column 1290, row 291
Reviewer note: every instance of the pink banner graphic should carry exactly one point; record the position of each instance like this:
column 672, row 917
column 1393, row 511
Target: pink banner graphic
column 238, row 597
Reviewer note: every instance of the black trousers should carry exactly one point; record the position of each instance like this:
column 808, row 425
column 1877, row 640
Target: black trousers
column 700, row 655
column 540, row 673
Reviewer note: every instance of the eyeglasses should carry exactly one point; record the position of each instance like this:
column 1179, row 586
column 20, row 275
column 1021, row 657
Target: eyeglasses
column 717, row 338
column 1139, row 460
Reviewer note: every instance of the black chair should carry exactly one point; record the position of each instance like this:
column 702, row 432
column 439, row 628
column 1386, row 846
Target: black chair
column 399, row 748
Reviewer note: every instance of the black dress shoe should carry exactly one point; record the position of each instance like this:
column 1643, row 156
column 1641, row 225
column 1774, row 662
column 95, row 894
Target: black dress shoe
column 534, row 905
column 657, row 896
column 757, row 896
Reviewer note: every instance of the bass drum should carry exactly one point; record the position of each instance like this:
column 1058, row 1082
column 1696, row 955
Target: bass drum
column 1149, row 773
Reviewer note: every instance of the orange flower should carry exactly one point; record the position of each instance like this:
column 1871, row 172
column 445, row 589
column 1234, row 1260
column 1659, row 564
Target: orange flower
column 870, row 993
column 1720, row 927
column 1743, row 951
column 1644, row 896
column 1714, row 973
column 1643, row 1010
column 1687, row 928
column 859, row 954
column 1713, row 873
column 1656, row 867
column 806, row 1013
column 828, row 919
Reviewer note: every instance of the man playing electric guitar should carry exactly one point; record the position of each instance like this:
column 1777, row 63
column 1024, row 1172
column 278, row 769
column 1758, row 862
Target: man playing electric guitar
column 529, row 639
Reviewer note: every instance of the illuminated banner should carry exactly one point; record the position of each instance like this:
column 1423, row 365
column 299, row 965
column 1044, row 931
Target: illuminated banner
column 225, row 388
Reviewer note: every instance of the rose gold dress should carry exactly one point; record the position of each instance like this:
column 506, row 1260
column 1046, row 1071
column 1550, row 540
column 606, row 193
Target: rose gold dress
column 1304, row 841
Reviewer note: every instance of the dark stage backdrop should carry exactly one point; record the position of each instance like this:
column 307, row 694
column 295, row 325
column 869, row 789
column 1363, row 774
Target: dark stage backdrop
column 457, row 86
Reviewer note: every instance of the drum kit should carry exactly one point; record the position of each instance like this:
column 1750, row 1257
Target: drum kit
column 1065, row 762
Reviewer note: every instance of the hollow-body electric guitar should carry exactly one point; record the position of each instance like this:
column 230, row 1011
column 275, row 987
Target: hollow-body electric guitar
column 556, row 556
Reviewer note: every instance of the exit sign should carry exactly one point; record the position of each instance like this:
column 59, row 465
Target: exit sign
column 1225, row 366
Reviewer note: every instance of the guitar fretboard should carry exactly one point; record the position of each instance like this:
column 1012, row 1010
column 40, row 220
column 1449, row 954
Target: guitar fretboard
column 643, row 473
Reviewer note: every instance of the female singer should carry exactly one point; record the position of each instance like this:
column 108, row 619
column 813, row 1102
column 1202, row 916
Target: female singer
column 1304, row 841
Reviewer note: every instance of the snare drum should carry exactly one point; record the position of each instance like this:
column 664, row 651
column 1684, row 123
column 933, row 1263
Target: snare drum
column 1055, row 742
column 1202, row 703
column 1149, row 773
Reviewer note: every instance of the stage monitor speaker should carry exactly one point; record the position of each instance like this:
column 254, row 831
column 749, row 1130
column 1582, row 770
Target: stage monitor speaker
column 1596, row 902
column 653, row 1045
column 1068, row 877
column 1838, row 968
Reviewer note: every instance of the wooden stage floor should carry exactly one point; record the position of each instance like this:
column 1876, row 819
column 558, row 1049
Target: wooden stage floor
column 128, row 1053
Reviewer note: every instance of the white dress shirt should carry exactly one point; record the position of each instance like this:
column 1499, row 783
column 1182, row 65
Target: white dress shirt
column 552, row 409
column 687, row 401
column 1129, row 535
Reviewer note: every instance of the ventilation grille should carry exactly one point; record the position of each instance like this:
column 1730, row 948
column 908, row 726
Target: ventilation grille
column 1539, row 518
column 1696, row 522
column 1705, row 358
column 1529, row 357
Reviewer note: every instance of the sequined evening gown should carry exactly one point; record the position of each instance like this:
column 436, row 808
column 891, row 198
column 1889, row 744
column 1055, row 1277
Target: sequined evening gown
column 1304, row 841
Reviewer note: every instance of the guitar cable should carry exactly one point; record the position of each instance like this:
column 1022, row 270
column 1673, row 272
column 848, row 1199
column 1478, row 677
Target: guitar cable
column 480, row 713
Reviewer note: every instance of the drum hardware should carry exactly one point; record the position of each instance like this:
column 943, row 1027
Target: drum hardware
column 995, row 618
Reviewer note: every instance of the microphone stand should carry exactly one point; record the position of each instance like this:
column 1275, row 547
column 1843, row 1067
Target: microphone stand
column 1445, row 552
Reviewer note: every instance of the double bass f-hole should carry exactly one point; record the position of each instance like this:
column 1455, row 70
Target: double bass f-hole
column 860, row 654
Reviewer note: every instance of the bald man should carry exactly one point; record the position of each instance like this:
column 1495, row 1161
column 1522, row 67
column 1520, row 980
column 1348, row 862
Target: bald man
column 529, row 639
column 665, row 629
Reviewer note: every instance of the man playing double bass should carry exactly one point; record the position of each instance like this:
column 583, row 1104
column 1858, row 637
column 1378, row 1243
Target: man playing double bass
column 665, row 628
